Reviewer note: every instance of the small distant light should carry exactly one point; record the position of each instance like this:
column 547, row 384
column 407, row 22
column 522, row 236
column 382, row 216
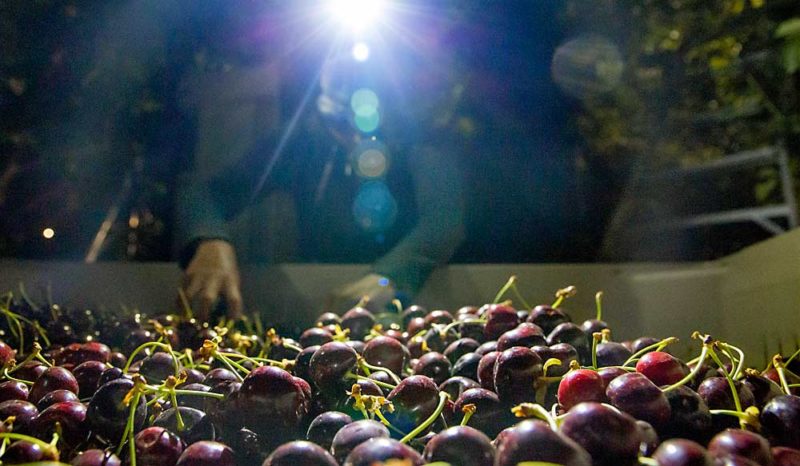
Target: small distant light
column 48, row 233
column 361, row 51
column 383, row 281
column 133, row 221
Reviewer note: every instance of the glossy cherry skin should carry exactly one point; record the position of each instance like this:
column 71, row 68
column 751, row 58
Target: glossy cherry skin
column 96, row 457
column 315, row 336
column 525, row 334
column 716, row 392
column 300, row 453
column 68, row 418
column 53, row 378
column 157, row 446
column 612, row 354
column 329, row 366
column 359, row 321
column 564, row 352
column 197, row 424
column 499, row 319
column 193, row 401
column 638, row 396
column 271, row 402
column 381, row 450
column 354, row 434
column 515, row 373
column 467, row 366
column 386, row 352
column 157, row 367
column 24, row 452
column 324, row 427
column 763, row 388
column 23, row 412
column 7, row 353
column 682, row 452
column 581, row 385
column 784, row 456
column 219, row 375
column 75, row 354
column 459, row 348
column 434, row 365
column 572, row 334
column 107, row 412
column 486, row 370
column 662, row 368
column 689, row 416
column 460, row 445
column 547, row 317
column 415, row 399
column 780, row 421
column 30, row 370
column 609, row 436
column 88, row 376
column 13, row 390
column 490, row 417
column 455, row 386
column 533, row 440
column 742, row 443
column 207, row 453
column 56, row 396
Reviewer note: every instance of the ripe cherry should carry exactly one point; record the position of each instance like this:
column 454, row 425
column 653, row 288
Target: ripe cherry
column 460, row 445
column 381, row 451
column 207, row 453
column 534, row 440
column 354, row 434
column 609, row 436
column 157, row 446
column 581, row 385
column 300, row 453
column 662, row 368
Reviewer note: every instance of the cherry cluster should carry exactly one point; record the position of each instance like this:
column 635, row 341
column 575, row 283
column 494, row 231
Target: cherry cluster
column 485, row 386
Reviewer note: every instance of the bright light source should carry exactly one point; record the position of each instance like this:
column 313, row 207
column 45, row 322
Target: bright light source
column 356, row 14
column 361, row 51
column 48, row 233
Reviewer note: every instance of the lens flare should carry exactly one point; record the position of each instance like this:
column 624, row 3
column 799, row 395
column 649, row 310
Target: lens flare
column 361, row 52
column 364, row 102
column 48, row 233
column 372, row 163
column 357, row 15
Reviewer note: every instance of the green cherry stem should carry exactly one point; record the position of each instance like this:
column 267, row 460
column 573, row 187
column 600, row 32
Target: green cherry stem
column 598, row 302
column 7, row 375
column 522, row 300
column 780, row 368
column 739, row 365
column 563, row 294
column 691, row 375
column 647, row 461
column 535, row 410
column 365, row 365
column 218, row 396
column 143, row 347
column 734, row 393
column 353, row 376
column 596, row 337
column 658, row 346
column 45, row 446
column 443, row 397
column 504, row 289
column 468, row 410
column 792, row 357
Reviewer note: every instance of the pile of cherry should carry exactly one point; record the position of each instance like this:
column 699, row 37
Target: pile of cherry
column 483, row 386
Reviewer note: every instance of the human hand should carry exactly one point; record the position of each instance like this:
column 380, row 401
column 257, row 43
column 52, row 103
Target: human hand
column 378, row 290
column 213, row 273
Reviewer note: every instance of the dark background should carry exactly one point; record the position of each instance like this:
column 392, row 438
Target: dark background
column 88, row 95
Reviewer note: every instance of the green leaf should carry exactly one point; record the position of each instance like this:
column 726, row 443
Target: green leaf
column 790, row 27
column 791, row 56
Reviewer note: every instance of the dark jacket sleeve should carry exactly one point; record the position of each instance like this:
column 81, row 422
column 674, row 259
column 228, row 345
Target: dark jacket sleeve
column 439, row 191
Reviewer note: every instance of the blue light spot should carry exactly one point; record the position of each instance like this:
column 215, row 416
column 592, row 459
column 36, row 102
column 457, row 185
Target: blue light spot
column 374, row 208
column 383, row 281
column 367, row 123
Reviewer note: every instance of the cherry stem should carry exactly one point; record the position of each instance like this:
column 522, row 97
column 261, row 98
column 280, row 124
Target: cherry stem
column 792, row 357
column 143, row 347
column 504, row 289
column 353, row 376
column 535, row 410
column 691, row 375
column 739, row 361
column 230, row 364
column 548, row 364
column 647, row 461
column 389, row 372
column 658, row 346
column 747, row 418
column 188, row 314
column 48, row 447
column 218, row 396
column 777, row 362
column 596, row 337
column 443, row 397
column 519, row 296
column 598, row 300
column 9, row 377
column 468, row 410
column 734, row 393
column 398, row 305
column 563, row 294
column 178, row 418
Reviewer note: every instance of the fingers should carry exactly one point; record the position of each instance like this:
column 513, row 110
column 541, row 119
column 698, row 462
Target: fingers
column 233, row 297
column 208, row 296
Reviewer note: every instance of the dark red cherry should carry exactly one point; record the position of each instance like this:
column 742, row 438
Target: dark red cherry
column 68, row 418
column 324, row 427
column 612, row 354
column 486, row 370
column 23, row 412
column 780, row 421
column 784, row 456
column 515, row 373
column 434, row 365
column 573, row 335
column 638, row 396
column 193, row 401
column 580, row 385
column 330, row 365
column 197, row 424
column 30, row 370
column 191, row 376
column 741, row 443
column 532, row 440
column 610, row 373
column 300, row 453
column 662, row 368
column 412, row 312
column 689, row 416
column 564, row 352
column 303, row 361
column 455, row 386
column 459, row 348
column 382, row 450
column 592, row 326
column 108, row 413
column 157, row 446
column 112, row 373
column 13, row 390
column 271, row 402
column 682, row 452
column 207, row 453
column 415, row 399
column 467, row 366
column 609, row 436
column 88, row 376
column 157, row 367
column 763, row 388
column 525, row 334
column 649, row 436
column 96, row 457
column 315, row 336
column 354, row 434
column 487, row 347
column 359, row 321
column 642, row 343
column 464, row 446
column 53, row 378
column 547, row 317
column 7, row 353
column 328, row 318
column 386, row 352
column 490, row 416
column 24, row 452
column 499, row 319
column 75, row 354
column 438, row 317
column 56, row 396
